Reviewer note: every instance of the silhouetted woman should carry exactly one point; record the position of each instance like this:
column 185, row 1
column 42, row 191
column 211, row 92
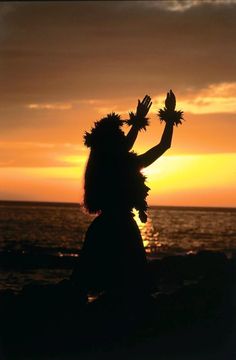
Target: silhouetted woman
column 113, row 256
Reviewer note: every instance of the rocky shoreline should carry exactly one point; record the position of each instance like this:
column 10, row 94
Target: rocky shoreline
column 190, row 313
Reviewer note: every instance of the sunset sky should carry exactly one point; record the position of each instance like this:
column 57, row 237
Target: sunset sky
column 64, row 65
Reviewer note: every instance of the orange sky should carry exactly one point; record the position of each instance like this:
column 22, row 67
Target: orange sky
column 65, row 65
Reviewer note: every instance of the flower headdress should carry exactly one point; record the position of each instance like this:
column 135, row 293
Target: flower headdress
column 103, row 129
column 109, row 125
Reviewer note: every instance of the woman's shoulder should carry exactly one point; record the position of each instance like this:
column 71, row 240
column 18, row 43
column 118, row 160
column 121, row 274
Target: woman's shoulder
column 135, row 160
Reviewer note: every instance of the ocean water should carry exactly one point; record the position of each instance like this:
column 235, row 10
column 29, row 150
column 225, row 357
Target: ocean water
column 40, row 241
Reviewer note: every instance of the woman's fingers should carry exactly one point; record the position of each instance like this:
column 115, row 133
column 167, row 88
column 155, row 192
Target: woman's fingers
column 170, row 101
column 167, row 100
column 149, row 106
column 144, row 106
column 148, row 101
column 173, row 100
column 145, row 99
column 172, row 95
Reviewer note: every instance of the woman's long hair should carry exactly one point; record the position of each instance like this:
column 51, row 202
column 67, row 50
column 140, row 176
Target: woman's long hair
column 113, row 180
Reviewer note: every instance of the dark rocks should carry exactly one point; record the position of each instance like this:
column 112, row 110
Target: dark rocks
column 188, row 292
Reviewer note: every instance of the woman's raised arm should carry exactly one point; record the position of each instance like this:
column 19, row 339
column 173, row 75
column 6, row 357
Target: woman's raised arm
column 142, row 110
column 154, row 153
column 171, row 117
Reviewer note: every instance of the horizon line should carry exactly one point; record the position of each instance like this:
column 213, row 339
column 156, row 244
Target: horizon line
column 72, row 203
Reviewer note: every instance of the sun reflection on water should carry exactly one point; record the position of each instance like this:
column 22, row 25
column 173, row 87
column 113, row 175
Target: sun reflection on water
column 149, row 234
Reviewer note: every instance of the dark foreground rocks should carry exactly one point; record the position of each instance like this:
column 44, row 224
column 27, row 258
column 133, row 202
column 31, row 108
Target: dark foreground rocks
column 190, row 314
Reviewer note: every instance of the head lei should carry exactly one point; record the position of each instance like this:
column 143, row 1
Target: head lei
column 109, row 125
column 103, row 129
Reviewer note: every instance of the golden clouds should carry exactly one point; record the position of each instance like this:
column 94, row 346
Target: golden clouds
column 182, row 6
column 39, row 154
column 41, row 184
column 49, row 106
column 215, row 98
column 74, row 160
column 53, row 52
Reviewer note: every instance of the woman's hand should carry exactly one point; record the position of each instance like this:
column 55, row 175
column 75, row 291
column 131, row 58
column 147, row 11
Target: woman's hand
column 143, row 107
column 170, row 101
column 138, row 121
column 169, row 114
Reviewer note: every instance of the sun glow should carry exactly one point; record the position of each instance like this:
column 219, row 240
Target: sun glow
column 184, row 179
column 195, row 170
column 178, row 174
column 74, row 160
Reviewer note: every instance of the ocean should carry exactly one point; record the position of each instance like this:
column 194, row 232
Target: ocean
column 40, row 242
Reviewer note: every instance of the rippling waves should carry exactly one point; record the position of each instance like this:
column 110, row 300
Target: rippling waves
column 50, row 232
